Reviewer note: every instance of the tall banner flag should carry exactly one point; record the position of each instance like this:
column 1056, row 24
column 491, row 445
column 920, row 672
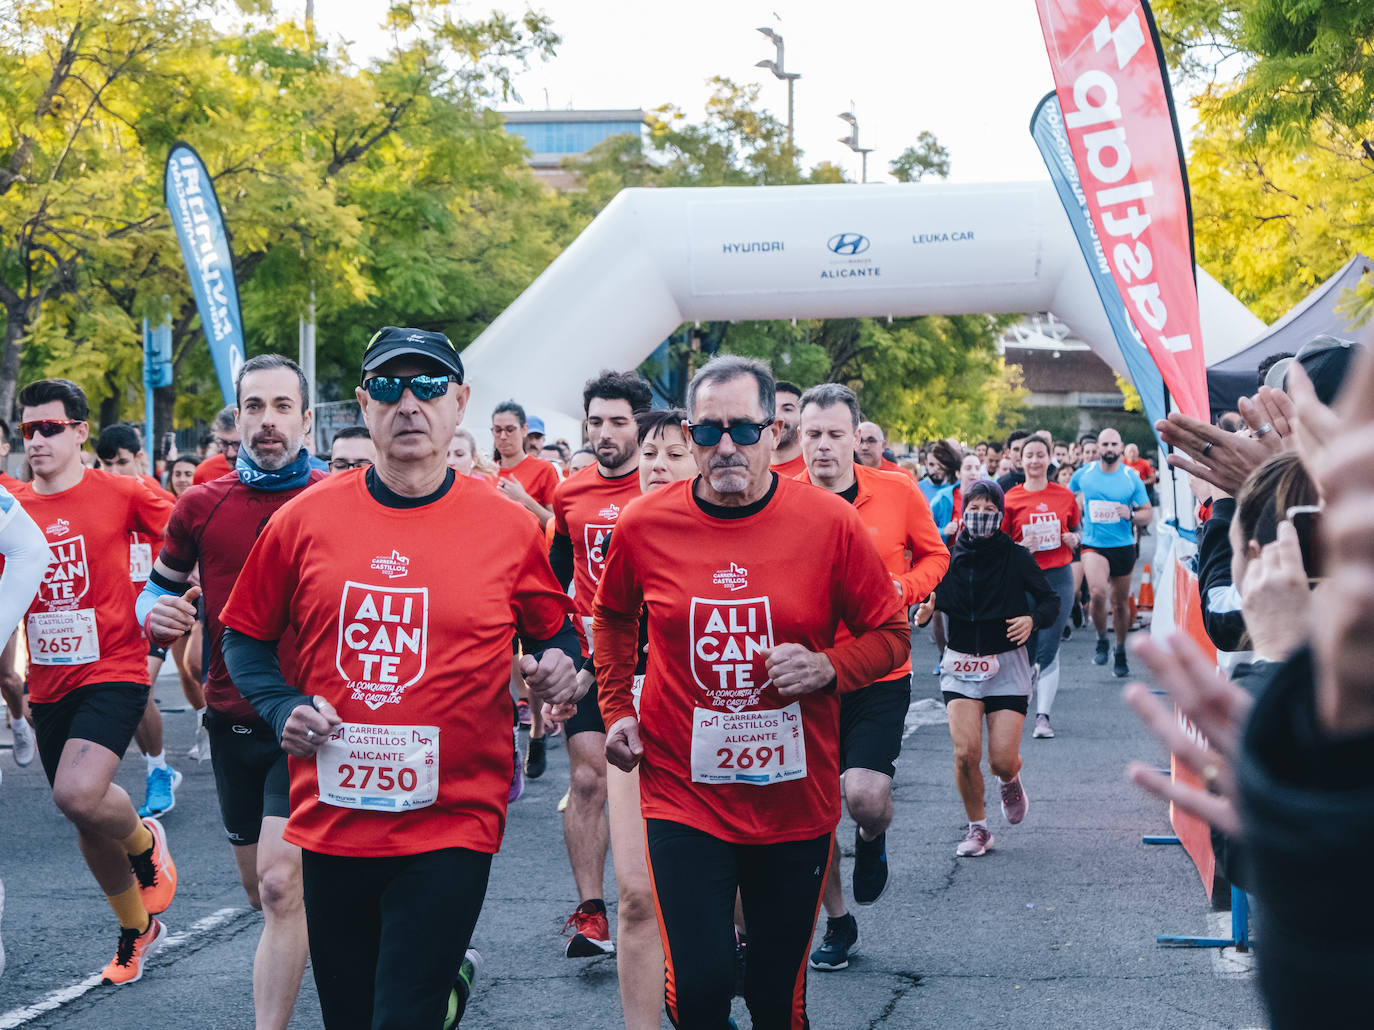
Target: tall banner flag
column 1047, row 128
column 1119, row 117
column 199, row 224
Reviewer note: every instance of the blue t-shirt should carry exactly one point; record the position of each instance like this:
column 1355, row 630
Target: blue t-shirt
column 942, row 507
column 929, row 489
column 1099, row 489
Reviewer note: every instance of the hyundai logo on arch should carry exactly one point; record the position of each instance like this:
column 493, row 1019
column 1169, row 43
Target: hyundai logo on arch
column 847, row 244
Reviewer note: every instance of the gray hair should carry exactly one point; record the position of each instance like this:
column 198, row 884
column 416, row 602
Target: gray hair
column 224, row 420
column 728, row 367
column 266, row 361
column 827, row 395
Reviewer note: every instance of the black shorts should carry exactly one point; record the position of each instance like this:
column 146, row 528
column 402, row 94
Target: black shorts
column 103, row 713
column 996, row 703
column 1120, row 560
column 251, row 775
column 154, row 651
column 872, row 721
column 588, row 718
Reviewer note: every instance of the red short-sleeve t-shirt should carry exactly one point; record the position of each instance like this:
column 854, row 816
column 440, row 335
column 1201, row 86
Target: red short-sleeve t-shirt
column 1035, row 519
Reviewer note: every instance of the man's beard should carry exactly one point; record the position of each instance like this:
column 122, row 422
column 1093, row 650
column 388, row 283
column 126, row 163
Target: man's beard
column 274, row 462
column 789, row 436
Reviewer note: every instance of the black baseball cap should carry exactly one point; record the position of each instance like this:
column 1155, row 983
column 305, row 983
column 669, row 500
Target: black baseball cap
column 392, row 342
column 1325, row 359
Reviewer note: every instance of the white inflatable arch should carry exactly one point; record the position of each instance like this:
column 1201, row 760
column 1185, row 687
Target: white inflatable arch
column 655, row 258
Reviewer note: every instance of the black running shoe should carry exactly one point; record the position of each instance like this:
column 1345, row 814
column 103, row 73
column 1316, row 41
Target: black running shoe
column 840, row 941
column 535, row 762
column 1121, row 668
column 1077, row 615
column 870, row 867
column 1100, row 658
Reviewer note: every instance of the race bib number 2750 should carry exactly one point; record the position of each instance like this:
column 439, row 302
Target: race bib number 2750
column 379, row 768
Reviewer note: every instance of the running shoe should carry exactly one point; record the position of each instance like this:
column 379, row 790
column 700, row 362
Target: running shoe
column 1015, row 804
column 162, row 792
column 840, row 941
column 155, row 871
column 517, row 776
column 563, row 801
column 1076, row 616
column 522, row 709
column 25, row 742
column 870, row 867
column 591, row 933
column 535, row 760
column 1068, row 631
column 1103, row 648
column 978, row 841
column 936, row 671
column 1121, row 668
column 1042, row 727
column 131, row 954
column 200, row 750
column 462, row 988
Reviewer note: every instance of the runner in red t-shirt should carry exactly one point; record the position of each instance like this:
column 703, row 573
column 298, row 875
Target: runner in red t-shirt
column 787, row 460
column 121, row 453
column 585, row 510
column 872, row 720
column 400, row 729
column 88, row 670
column 522, row 477
column 214, row 527
column 744, row 579
column 1043, row 517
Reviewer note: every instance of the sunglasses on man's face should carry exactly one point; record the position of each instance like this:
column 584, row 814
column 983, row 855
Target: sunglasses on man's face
column 47, row 426
column 388, row 389
column 705, row 434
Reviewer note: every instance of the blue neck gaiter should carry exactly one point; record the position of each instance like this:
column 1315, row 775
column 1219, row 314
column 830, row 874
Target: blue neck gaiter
column 289, row 477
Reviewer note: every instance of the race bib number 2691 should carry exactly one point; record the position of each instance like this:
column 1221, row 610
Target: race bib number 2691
column 757, row 748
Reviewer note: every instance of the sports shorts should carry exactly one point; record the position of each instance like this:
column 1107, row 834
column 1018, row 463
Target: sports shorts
column 154, row 651
column 872, row 721
column 1120, row 560
column 251, row 775
column 588, row 718
column 995, row 703
column 103, row 713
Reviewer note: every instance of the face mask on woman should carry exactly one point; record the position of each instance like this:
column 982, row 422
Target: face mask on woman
column 982, row 524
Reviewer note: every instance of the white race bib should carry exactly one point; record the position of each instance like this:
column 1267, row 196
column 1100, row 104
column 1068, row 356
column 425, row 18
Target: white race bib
column 587, row 630
column 755, row 747
column 1104, row 511
column 1041, row 536
column 379, row 768
column 63, row 638
column 140, row 562
column 969, row 668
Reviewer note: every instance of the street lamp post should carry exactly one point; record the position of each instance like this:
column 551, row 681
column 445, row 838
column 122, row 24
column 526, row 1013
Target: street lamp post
column 852, row 140
column 778, row 68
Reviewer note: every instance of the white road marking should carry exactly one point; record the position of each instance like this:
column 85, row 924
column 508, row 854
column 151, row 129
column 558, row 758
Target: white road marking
column 924, row 711
column 64, row 995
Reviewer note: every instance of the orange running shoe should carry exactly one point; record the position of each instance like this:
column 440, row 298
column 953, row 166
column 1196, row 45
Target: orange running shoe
column 155, row 871
column 132, row 953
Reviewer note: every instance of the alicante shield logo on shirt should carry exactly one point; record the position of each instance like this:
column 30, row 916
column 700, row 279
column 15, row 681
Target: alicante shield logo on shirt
column 67, row 578
column 729, row 641
column 596, row 537
column 383, row 633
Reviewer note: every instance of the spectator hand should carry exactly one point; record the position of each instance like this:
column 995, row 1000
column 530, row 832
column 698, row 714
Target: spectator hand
column 1275, row 596
column 1270, row 408
column 1215, row 706
column 1225, row 464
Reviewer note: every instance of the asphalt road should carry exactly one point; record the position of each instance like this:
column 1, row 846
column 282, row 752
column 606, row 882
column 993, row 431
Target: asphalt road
column 1054, row 928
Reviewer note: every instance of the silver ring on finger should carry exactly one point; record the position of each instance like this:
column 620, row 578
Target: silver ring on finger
column 1264, row 430
column 309, row 734
column 1207, row 448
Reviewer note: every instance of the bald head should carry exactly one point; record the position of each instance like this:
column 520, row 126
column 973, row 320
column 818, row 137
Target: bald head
column 871, row 444
column 1108, row 449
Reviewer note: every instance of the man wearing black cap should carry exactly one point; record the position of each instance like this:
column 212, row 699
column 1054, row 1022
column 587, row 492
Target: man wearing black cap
column 401, row 722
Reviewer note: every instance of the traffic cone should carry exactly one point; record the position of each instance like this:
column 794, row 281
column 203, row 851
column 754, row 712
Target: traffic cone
column 1146, row 601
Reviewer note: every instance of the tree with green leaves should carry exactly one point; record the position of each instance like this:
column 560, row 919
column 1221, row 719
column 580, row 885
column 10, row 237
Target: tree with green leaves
column 927, row 157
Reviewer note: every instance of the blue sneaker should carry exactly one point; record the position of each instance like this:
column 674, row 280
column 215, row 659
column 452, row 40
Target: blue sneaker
column 161, row 795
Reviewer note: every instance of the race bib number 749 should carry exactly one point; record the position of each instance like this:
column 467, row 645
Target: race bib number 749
column 756, row 747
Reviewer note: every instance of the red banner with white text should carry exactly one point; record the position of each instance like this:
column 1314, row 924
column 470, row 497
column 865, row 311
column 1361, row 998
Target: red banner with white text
column 1119, row 114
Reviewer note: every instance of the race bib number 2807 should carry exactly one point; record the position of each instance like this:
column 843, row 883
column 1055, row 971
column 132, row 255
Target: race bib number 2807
column 379, row 768
column 757, row 747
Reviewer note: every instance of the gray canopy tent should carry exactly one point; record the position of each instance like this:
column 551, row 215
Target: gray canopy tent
column 1235, row 377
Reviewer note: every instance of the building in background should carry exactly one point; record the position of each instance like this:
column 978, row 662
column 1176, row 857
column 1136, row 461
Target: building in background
column 555, row 136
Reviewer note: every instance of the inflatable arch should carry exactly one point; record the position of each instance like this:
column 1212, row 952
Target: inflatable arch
column 655, row 258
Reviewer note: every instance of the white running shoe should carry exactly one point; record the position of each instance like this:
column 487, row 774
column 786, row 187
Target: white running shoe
column 200, row 750
column 25, row 742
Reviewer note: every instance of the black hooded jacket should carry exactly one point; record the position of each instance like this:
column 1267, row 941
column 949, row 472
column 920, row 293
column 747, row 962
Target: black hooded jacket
column 987, row 583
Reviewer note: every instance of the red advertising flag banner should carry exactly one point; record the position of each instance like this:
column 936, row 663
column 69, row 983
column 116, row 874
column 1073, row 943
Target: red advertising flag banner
column 1118, row 111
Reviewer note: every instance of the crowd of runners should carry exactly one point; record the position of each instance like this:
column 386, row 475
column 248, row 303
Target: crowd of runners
column 713, row 606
